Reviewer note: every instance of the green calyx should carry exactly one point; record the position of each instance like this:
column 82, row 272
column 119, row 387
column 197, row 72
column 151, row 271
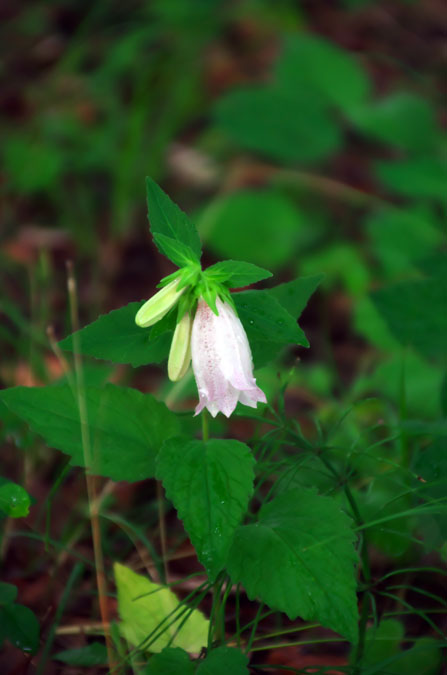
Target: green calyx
column 181, row 292
column 197, row 283
column 187, row 276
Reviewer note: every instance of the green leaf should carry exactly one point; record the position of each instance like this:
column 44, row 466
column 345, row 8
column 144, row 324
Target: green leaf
column 294, row 295
column 146, row 607
column 266, row 318
column 222, row 661
column 421, row 177
column 95, row 374
column 171, row 661
column 236, row 274
column 210, row 484
column 416, row 314
column 342, row 263
column 423, row 428
column 285, row 125
column 126, row 428
column 443, row 396
column 167, row 219
column 424, row 658
column 8, row 593
column 401, row 119
column 299, row 558
column 260, row 226
column 387, row 496
column 175, row 250
column 321, row 68
column 422, row 382
column 268, row 325
column 431, row 465
column 400, row 237
column 382, row 641
column 383, row 652
column 20, row 626
column 14, row 499
column 368, row 322
column 116, row 337
column 94, row 654
column 435, row 266
column 165, row 325
column 30, row 164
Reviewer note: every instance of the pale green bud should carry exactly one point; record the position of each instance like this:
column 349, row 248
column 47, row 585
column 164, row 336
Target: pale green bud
column 159, row 305
column 180, row 353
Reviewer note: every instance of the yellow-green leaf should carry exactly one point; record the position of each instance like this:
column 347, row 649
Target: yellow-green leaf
column 151, row 615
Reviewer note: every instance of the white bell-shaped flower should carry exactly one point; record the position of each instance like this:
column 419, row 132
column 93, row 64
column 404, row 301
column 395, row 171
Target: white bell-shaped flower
column 222, row 361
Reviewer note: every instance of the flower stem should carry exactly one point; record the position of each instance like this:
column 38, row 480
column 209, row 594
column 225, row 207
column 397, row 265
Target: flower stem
column 205, row 426
column 218, row 620
column 360, row 649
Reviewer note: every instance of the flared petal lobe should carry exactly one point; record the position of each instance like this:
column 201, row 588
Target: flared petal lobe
column 222, row 361
column 159, row 305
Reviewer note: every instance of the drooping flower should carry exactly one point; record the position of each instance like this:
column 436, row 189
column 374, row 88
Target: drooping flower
column 159, row 305
column 222, row 360
column 215, row 339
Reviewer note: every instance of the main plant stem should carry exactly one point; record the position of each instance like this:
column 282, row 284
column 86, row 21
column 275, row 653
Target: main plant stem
column 90, row 480
column 205, row 426
column 362, row 635
column 217, row 607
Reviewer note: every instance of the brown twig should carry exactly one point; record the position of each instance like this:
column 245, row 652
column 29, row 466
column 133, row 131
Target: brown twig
column 90, row 480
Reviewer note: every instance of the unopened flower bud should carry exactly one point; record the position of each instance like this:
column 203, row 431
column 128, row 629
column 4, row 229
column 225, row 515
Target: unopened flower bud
column 159, row 305
column 180, row 353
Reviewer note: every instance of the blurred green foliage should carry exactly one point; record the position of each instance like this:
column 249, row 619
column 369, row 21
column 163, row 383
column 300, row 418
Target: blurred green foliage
column 305, row 154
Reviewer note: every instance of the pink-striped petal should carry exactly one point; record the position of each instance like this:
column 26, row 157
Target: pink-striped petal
column 222, row 361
